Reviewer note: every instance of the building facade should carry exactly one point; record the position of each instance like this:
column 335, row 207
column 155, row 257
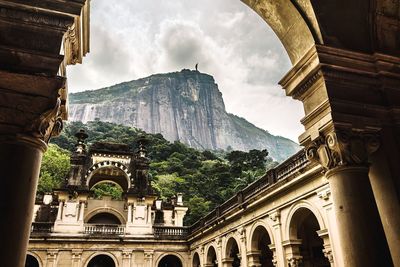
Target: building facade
column 283, row 219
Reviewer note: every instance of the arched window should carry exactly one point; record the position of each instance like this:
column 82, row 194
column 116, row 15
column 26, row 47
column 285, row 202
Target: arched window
column 31, row 261
column 170, row 261
column 304, row 226
column 260, row 243
column 232, row 252
column 196, row 260
column 212, row 257
column 101, row 261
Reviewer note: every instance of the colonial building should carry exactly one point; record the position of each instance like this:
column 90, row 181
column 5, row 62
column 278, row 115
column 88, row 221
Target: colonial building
column 283, row 219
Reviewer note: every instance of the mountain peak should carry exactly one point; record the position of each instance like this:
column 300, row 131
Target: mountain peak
column 185, row 105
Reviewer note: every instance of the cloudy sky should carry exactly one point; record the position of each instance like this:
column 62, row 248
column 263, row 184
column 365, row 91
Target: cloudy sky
column 131, row 39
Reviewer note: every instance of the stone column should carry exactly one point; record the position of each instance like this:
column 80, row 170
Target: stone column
column 81, row 211
column 27, row 121
column 60, row 210
column 253, row 258
column 227, row 262
column 327, row 250
column 148, row 258
column 243, row 247
column 292, row 252
column 330, row 235
column 127, row 258
column 279, row 257
column 76, row 257
column 344, row 154
column 51, row 260
column 387, row 199
column 129, row 213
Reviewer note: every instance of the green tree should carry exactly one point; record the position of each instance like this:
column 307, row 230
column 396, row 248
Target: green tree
column 54, row 169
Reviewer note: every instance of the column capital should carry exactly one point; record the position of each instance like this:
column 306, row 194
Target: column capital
column 275, row 217
column 343, row 148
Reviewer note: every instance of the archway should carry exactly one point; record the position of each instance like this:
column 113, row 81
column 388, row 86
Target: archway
column 196, row 260
column 31, row 261
column 101, row 261
column 104, row 218
column 232, row 253
column 109, row 171
column 260, row 242
column 170, row 261
column 211, row 257
column 304, row 226
column 107, row 188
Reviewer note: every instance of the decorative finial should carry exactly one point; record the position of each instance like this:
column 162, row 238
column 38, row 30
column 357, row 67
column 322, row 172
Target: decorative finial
column 80, row 145
column 142, row 141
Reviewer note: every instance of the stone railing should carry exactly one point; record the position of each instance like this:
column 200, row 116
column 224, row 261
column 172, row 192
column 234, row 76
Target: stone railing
column 293, row 165
column 42, row 227
column 170, row 232
column 104, row 229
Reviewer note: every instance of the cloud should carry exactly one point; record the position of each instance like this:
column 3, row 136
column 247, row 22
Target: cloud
column 135, row 38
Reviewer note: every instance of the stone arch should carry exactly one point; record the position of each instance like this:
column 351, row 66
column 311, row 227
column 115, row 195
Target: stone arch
column 120, row 167
column 112, row 256
column 35, row 256
column 196, row 261
column 254, row 226
column 211, row 256
column 112, row 211
column 303, row 204
column 162, row 256
column 295, row 24
column 259, row 250
column 232, row 252
column 303, row 229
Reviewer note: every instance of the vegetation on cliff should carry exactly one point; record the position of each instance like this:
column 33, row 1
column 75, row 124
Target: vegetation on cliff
column 206, row 178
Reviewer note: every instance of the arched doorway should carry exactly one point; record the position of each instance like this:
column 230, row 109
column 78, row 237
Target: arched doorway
column 260, row 243
column 196, row 260
column 304, row 226
column 31, row 261
column 170, row 261
column 101, row 261
column 211, row 257
column 232, row 252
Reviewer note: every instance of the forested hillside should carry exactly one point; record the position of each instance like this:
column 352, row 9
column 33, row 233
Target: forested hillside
column 206, row 178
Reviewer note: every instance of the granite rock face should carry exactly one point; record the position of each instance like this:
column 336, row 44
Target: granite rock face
column 185, row 106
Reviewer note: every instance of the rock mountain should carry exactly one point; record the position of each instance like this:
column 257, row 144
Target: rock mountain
column 185, row 106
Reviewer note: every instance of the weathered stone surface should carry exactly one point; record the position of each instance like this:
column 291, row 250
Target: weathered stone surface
column 185, row 106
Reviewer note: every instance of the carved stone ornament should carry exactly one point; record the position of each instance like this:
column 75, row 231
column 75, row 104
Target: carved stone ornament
column 294, row 261
column 342, row 148
column 48, row 124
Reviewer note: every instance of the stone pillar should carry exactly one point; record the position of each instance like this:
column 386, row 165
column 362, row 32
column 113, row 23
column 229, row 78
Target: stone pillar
column 148, row 258
column 227, row 262
column 344, row 154
column 292, row 252
column 81, row 211
column 243, row 246
column 27, row 121
column 76, row 257
column 387, row 200
column 129, row 213
column 253, row 258
column 274, row 256
column 218, row 242
column 327, row 250
column 51, row 260
column 279, row 257
column 331, row 252
column 60, row 210
column 127, row 258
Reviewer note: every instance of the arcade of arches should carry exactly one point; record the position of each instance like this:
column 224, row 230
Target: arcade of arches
column 346, row 72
